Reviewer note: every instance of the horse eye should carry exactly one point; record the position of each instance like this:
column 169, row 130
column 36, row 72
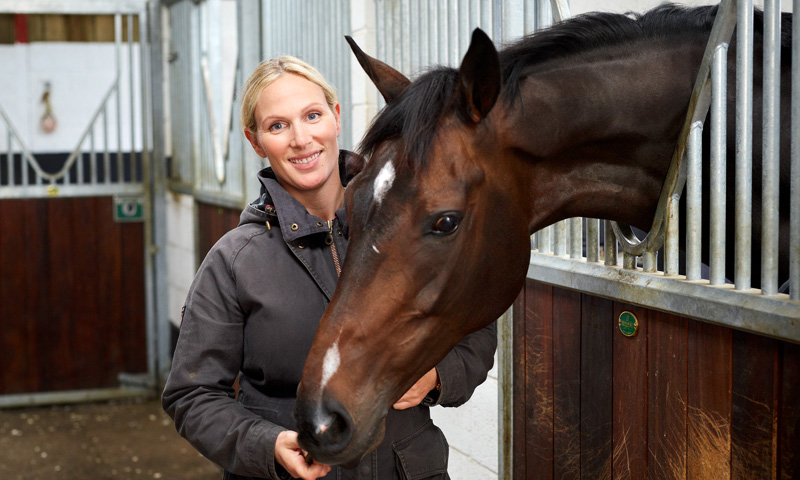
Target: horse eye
column 446, row 224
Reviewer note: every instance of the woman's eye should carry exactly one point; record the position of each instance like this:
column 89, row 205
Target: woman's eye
column 446, row 224
column 276, row 127
column 314, row 116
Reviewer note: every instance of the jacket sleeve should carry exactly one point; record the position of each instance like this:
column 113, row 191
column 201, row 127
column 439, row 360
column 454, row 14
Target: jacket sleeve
column 466, row 366
column 199, row 393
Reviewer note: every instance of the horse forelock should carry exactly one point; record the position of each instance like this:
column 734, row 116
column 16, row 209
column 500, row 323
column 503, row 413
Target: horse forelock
column 414, row 118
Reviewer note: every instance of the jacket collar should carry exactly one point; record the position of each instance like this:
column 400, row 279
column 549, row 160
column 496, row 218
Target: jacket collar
column 283, row 209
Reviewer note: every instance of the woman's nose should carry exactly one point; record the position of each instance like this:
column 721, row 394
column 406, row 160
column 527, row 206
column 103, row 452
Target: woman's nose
column 301, row 136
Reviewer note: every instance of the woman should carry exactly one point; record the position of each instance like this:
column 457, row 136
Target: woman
column 258, row 296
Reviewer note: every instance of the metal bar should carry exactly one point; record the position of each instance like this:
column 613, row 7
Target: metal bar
column 694, row 206
column 505, row 393
column 771, row 156
column 10, row 157
column 575, row 237
column 560, row 238
column 609, row 245
column 118, row 65
column 721, row 305
column 794, row 267
column 628, row 261
column 718, row 165
column 744, row 145
column 721, row 32
column 672, row 237
column 106, row 156
column 92, row 159
column 545, row 240
column 132, row 159
column 592, row 240
column 649, row 261
column 73, row 396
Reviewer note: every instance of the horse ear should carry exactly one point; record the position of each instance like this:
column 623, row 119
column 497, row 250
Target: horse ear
column 389, row 81
column 479, row 76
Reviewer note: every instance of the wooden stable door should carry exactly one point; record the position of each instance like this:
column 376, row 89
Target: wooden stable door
column 680, row 399
column 72, row 303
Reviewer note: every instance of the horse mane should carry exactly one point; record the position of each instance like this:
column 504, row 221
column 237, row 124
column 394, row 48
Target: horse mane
column 416, row 115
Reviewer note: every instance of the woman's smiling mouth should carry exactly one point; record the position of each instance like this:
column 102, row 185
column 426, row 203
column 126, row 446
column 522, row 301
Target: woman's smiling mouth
column 305, row 160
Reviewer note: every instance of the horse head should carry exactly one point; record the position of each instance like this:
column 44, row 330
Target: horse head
column 437, row 250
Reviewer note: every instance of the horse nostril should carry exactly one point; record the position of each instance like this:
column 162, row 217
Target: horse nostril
column 324, row 429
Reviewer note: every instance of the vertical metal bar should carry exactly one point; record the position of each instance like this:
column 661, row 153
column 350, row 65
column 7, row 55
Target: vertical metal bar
column 649, row 261
column 672, row 236
column 545, row 240
column 145, row 101
column 628, row 261
column 718, row 165
column 694, row 205
column 132, row 159
column 592, row 240
column 575, row 238
column 92, row 159
column 609, row 245
column 744, row 145
column 560, row 238
column 771, row 139
column 106, row 156
column 118, row 63
column 794, row 267
column 10, row 154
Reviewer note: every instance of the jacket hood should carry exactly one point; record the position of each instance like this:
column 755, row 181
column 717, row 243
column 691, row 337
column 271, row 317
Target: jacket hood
column 276, row 206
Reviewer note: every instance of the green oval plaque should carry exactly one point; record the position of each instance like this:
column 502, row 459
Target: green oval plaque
column 628, row 324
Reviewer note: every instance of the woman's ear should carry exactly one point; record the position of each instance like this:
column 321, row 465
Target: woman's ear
column 253, row 139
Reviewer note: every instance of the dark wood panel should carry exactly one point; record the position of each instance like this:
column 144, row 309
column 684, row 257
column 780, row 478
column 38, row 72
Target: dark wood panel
column 75, row 310
column 681, row 399
column 597, row 339
column 212, row 223
column 709, row 402
column 539, row 380
column 789, row 415
column 630, row 398
column 753, row 416
column 667, row 345
column 566, row 383
column 519, row 388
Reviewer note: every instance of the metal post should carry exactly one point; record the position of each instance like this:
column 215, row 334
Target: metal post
column 694, row 205
column 610, row 245
column 744, row 144
column 771, row 139
column 593, row 239
column 718, row 164
column 794, row 269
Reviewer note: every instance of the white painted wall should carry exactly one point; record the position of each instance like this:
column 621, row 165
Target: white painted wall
column 181, row 263
column 80, row 75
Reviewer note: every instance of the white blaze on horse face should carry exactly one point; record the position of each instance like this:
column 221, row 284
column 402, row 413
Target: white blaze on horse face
column 330, row 364
column 376, row 249
column 383, row 181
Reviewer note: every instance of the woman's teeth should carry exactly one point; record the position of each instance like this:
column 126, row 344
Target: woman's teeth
column 302, row 161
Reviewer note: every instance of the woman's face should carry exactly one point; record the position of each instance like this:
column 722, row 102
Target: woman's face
column 296, row 131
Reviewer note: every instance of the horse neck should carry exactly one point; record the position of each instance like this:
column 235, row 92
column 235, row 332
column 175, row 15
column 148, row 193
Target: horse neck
column 595, row 138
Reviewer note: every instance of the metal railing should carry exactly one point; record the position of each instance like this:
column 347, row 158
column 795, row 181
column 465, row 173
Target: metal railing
column 558, row 257
column 102, row 162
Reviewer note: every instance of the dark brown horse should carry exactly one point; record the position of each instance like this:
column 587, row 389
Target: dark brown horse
column 579, row 120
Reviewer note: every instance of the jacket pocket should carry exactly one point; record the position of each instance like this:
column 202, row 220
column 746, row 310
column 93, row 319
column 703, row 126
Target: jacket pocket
column 422, row 455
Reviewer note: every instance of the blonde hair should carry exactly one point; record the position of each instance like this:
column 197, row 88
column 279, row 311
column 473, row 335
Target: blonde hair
column 269, row 71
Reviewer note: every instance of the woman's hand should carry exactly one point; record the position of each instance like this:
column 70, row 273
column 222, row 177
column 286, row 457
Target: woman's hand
column 289, row 454
column 418, row 391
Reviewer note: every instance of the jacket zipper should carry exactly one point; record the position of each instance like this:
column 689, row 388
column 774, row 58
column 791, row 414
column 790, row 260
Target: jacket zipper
column 333, row 249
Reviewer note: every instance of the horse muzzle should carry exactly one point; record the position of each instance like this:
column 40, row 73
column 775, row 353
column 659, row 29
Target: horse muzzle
column 327, row 431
